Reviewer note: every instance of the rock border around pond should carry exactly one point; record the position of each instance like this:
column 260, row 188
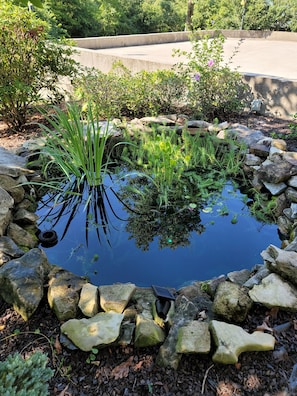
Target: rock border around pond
column 204, row 316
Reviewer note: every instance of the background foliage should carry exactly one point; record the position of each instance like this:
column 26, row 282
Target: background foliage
column 85, row 18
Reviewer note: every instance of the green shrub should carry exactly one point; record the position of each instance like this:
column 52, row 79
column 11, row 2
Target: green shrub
column 25, row 377
column 30, row 64
column 120, row 93
column 212, row 89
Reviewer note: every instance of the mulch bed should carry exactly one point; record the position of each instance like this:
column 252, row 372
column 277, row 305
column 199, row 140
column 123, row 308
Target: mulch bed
column 128, row 371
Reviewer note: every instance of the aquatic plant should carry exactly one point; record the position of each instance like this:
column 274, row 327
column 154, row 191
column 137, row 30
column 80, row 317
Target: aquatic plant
column 75, row 145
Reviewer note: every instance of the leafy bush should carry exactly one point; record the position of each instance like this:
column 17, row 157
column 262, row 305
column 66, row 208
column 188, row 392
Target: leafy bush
column 212, row 88
column 119, row 93
column 25, row 377
column 30, row 64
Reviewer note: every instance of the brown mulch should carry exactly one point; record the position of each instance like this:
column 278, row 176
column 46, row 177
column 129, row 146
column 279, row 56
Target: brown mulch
column 128, row 371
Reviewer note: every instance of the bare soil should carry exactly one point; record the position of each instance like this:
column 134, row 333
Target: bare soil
column 128, row 371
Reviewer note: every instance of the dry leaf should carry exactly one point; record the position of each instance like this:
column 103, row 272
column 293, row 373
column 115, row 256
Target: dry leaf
column 138, row 365
column 264, row 327
column 2, row 327
column 273, row 312
column 64, row 392
column 122, row 370
column 58, row 346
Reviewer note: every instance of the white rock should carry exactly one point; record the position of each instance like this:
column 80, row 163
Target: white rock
column 232, row 340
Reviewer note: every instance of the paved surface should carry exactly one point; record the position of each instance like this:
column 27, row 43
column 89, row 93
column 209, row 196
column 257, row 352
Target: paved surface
column 254, row 56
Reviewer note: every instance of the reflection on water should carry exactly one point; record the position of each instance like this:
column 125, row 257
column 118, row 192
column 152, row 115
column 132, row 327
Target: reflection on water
column 190, row 241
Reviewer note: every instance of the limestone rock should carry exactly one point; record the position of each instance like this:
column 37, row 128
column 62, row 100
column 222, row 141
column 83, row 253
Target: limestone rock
column 193, row 338
column 23, row 216
column 185, row 312
column 22, row 281
column 291, row 194
column 239, row 277
column 5, row 218
column 9, row 250
column 147, row 332
column 283, row 262
column 116, row 297
column 100, row 330
column 12, row 187
column 6, row 200
column 277, row 171
column 63, row 293
column 275, row 189
column 261, row 273
column 232, row 340
column 232, row 302
column 273, row 291
column 11, row 164
column 22, row 237
column 88, row 301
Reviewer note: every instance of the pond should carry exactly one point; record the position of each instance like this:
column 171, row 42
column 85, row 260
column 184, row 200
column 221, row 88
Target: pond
column 172, row 249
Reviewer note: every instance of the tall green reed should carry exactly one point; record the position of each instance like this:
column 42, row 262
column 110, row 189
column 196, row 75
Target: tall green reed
column 75, row 145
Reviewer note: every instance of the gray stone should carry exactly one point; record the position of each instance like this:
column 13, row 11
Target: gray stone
column 147, row 332
column 63, row 293
column 284, row 225
column 126, row 334
column 144, row 300
column 239, row 277
column 275, row 189
column 116, row 297
column 293, row 379
column 232, row 302
column 22, row 237
column 292, row 182
column 232, row 340
column 193, row 338
column 22, row 281
column 11, row 186
column 100, row 330
column 9, row 250
column 252, row 160
column 88, row 300
column 273, row 291
column 283, row 262
column 23, row 216
column 6, row 200
column 256, row 279
column 11, row 164
column 186, row 311
column 5, row 218
column 246, row 135
column 293, row 208
column 277, row 171
column 292, row 246
column 291, row 194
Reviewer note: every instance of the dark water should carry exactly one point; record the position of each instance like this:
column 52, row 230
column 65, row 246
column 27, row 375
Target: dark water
column 229, row 242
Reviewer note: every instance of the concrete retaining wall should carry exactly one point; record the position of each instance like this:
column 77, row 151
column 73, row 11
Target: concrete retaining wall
column 173, row 37
column 279, row 95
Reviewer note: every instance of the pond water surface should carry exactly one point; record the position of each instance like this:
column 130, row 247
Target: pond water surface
column 217, row 245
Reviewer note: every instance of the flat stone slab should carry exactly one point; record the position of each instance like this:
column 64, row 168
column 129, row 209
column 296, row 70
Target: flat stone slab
column 101, row 329
column 232, row 340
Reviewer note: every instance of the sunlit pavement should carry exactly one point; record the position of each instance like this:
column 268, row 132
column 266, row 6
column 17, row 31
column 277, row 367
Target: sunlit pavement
column 249, row 56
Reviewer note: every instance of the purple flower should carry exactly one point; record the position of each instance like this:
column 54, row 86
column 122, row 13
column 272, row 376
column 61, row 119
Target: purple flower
column 197, row 77
column 210, row 63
